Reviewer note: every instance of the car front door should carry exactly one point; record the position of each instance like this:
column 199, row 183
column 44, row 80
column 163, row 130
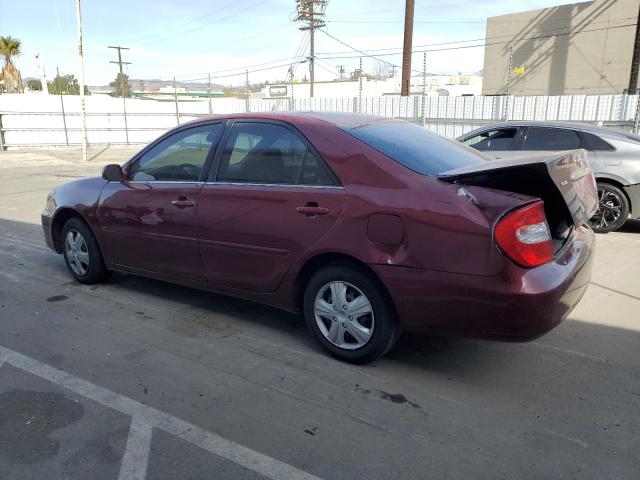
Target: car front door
column 148, row 220
column 271, row 197
column 496, row 142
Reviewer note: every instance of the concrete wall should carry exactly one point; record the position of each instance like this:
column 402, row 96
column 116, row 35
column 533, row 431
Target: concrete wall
column 591, row 56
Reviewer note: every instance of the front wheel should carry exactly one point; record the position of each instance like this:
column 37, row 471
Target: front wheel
column 349, row 314
column 613, row 209
column 82, row 254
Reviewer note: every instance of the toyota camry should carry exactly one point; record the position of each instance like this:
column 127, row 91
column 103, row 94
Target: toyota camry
column 365, row 225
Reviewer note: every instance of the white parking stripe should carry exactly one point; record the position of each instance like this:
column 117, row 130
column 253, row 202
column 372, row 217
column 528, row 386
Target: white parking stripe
column 246, row 457
column 136, row 455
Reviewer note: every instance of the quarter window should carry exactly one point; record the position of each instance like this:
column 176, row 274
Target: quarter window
column 596, row 143
column 550, row 139
column 268, row 153
column 493, row 140
column 180, row 157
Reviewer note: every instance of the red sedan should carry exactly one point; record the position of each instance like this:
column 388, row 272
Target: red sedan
column 367, row 225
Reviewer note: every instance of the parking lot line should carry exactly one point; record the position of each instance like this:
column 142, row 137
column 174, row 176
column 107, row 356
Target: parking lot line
column 144, row 418
column 136, row 455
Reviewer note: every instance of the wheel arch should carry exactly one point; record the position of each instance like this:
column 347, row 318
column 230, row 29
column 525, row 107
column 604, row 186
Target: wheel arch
column 315, row 263
column 61, row 217
column 616, row 183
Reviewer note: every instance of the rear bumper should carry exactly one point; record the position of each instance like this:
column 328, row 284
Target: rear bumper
column 517, row 305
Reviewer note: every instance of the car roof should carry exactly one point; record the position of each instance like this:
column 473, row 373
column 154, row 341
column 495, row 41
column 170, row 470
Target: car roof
column 583, row 127
column 339, row 119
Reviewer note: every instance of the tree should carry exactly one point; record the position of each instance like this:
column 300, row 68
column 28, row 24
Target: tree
column 381, row 71
column 10, row 47
column 121, row 87
column 66, row 85
column 34, row 85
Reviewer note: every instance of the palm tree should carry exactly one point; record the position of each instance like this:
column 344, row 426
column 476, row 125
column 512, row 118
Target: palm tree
column 10, row 47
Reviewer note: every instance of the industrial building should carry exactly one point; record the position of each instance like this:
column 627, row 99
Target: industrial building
column 582, row 48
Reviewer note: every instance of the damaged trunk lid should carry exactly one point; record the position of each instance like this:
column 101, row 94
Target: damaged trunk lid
column 563, row 180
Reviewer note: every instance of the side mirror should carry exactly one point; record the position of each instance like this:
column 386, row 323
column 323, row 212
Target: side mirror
column 113, row 173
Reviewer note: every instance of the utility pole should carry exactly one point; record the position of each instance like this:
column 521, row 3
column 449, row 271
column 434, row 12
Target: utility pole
column 43, row 76
column 311, row 12
column 635, row 62
column 124, row 101
column 83, row 111
column 424, row 89
column 209, row 94
column 341, row 71
column 360, row 88
column 175, row 99
column 506, row 104
column 246, row 80
column 64, row 117
column 405, row 84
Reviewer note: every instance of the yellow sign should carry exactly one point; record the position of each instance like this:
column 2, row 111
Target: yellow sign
column 518, row 70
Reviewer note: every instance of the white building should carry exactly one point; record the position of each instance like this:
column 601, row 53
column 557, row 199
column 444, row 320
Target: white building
column 450, row 85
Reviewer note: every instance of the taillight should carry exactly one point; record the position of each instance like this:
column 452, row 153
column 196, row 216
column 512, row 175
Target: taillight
column 523, row 235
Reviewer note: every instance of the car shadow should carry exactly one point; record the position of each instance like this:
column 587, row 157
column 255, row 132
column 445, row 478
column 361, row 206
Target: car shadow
column 631, row 226
column 192, row 313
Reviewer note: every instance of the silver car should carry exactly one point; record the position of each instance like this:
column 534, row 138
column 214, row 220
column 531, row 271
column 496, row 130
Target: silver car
column 614, row 156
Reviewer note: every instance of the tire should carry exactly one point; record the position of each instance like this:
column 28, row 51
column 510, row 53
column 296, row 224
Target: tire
column 358, row 338
column 613, row 209
column 82, row 254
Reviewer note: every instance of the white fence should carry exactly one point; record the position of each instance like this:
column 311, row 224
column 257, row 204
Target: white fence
column 38, row 120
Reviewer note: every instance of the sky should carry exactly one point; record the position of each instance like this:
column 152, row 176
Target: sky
column 190, row 38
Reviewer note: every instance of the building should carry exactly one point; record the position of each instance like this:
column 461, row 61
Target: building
column 582, row 48
column 453, row 85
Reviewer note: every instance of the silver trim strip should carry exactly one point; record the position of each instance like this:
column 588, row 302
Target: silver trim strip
column 293, row 185
column 239, row 184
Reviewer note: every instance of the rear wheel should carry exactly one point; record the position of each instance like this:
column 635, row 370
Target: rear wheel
column 82, row 254
column 349, row 314
column 613, row 209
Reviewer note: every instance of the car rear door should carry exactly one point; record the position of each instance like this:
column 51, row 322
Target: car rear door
column 269, row 200
column 148, row 220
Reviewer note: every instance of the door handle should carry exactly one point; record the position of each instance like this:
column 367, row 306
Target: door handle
column 183, row 202
column 312, row 210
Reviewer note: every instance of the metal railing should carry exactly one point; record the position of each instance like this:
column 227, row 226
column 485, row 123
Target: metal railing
column 449, row 116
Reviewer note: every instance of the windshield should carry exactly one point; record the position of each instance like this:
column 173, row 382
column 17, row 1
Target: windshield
column 415, row 147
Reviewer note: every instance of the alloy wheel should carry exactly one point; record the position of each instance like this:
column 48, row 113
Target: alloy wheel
column 77, row 252
column 344, row 315
column 609, row 208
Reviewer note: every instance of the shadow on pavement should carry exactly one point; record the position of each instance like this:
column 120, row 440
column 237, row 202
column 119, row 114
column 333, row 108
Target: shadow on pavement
column 192, row 313
column 631, row 226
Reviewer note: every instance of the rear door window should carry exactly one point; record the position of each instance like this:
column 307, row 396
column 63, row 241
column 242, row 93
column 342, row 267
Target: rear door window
column 493, row 140
column 544, row 138
column 259, row 152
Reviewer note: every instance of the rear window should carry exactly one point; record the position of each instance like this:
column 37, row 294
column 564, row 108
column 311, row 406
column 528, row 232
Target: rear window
column 415, row 147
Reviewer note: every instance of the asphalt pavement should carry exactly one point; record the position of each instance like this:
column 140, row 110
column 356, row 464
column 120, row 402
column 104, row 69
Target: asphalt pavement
column 137, row 378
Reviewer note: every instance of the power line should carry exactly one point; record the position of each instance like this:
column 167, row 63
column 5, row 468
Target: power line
column 401, row 21
column 484, row 44
column 149, row 36
column 476, row 39
column 200, row 27
column 241, row 69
